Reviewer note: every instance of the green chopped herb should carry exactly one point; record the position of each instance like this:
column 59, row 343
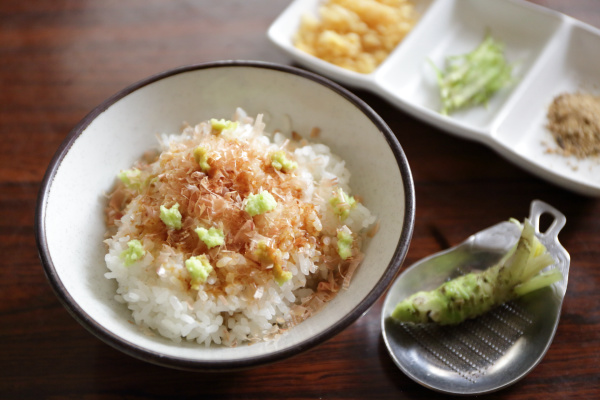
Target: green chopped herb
column 472, row 79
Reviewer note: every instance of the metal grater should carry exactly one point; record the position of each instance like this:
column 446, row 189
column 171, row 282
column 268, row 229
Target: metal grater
column 471, row 349
column 490, row 352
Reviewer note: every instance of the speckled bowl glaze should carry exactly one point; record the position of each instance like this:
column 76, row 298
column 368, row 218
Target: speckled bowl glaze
column 70, row 224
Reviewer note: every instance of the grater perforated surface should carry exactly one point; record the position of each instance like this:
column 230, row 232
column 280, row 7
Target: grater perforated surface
column 470, row 349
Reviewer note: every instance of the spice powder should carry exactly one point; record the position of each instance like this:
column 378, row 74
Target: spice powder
column 574, row 120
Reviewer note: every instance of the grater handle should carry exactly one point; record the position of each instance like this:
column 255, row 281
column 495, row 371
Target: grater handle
column 538, row 208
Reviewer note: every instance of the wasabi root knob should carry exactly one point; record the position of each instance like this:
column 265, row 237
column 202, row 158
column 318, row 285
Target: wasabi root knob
column 135, row 251
column 171, row 216
column 474, row 294
column 201, row 157
column 344, row 242
column 260, row 203
column 342, row 204
column 211, row 237
column 280, row 162
column 199, row 269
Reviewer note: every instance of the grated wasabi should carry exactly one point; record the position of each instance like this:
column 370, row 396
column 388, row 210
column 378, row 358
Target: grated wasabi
column 134, row 252
column 211, row 237
column 280, row 162
column 199, row 268
column 201, row 157
column 171, row 216
column 223, row 124
column 260, row 203
column 344, row 242
column 342, row 204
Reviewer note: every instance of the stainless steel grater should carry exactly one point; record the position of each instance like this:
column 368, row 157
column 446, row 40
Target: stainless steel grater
column 490, row 352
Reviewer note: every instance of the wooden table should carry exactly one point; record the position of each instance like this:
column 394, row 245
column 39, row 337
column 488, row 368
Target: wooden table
column 60, row 58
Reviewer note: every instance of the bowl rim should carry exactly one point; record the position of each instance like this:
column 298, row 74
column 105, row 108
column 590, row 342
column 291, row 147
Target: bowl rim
column 158, row 358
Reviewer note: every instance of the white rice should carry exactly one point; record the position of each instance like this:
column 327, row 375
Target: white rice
column 155, row 288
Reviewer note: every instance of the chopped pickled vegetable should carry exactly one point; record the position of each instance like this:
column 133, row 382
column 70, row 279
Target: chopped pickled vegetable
column 135, row 251
column 473, row 294
column 260, row 203
column 211, row 237
column 171, row 216
column 473, row 78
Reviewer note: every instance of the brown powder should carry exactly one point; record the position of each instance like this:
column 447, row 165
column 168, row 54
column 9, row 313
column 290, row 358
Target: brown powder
column 574, row 120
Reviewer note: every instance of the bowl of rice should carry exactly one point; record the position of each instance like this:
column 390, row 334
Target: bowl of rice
column 225, row 215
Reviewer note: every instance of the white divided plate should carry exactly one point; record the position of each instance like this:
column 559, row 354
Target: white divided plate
column 552, row 53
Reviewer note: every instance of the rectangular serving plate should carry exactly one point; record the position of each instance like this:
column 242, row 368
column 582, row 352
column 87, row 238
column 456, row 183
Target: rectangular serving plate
column 551, row 53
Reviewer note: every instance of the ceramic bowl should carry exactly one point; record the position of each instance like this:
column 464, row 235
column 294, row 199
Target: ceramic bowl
column 70, row 223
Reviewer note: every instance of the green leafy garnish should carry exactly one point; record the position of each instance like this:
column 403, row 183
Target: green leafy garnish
column 472, row 79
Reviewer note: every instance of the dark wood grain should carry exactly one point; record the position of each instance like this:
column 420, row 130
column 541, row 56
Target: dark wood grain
column 60, row 58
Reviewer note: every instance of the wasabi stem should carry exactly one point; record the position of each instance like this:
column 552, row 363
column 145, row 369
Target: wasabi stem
column 471, row 295
column 472, row 79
